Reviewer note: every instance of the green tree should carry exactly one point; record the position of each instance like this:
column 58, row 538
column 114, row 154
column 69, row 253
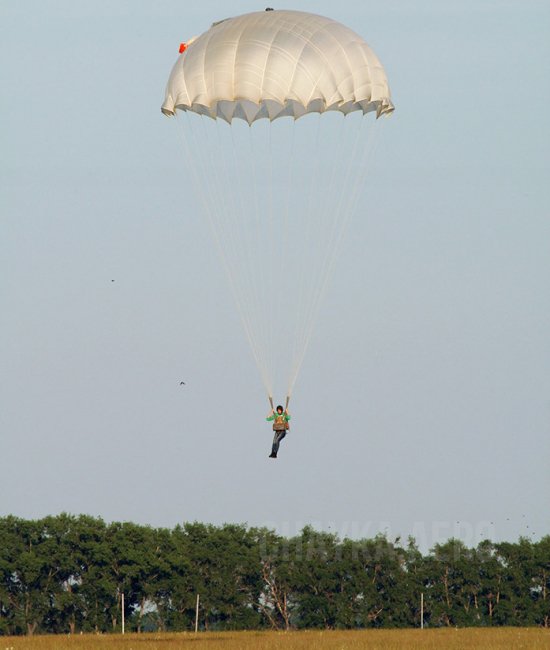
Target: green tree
column 540, row 589
column 518, row 561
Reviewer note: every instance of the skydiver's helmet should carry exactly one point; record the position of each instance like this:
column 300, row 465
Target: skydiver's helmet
column 280, row 409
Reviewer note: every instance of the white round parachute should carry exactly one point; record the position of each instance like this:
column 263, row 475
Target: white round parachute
column 273, row 64
column 278, row 193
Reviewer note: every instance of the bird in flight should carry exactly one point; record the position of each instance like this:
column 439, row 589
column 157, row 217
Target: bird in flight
column 182, row 383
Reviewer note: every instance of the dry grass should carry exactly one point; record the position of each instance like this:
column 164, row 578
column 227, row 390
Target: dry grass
column 449, row 639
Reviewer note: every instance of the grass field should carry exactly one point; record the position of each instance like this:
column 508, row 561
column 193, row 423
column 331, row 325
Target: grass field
column 449, row 639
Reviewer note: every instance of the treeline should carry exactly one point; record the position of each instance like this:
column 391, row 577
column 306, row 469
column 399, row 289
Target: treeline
column 67, row 574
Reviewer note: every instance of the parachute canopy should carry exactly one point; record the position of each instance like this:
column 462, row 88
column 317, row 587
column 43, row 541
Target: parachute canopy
column 278, row 194
column 271, row 64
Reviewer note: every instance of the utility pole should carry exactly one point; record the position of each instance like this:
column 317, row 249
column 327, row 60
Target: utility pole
column 422, row 610
column 197, row 614
column 122, row 605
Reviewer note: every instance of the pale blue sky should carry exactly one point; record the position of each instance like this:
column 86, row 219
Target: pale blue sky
column 425, row 397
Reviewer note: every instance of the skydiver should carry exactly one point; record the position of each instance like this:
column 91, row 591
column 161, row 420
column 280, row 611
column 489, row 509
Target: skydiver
column 280, row 420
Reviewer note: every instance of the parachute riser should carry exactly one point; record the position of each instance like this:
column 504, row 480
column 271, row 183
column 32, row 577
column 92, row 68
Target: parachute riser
column 271, row 402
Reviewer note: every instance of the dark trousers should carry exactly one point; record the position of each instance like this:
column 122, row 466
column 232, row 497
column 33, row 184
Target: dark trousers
column 278, row 436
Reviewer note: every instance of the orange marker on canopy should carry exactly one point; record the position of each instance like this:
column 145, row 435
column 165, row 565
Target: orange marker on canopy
column 183, row 47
